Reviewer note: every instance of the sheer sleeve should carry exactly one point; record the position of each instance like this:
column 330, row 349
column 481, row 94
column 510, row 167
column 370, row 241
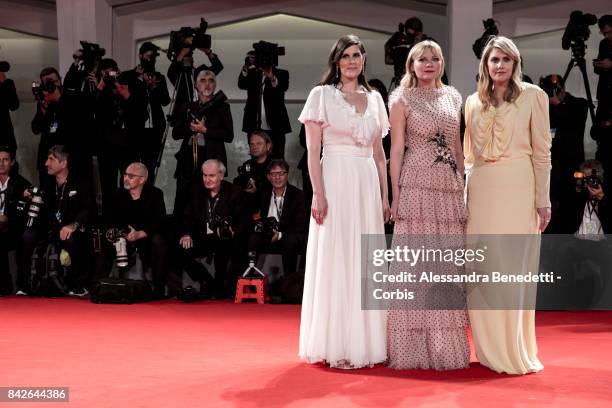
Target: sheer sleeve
column 541, row 141
column 314, row 109
column 383, row 118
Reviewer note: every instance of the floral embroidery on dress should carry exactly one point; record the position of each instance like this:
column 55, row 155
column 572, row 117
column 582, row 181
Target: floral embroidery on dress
column 443, row 152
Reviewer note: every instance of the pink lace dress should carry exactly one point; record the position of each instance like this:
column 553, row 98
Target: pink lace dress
column 430, row 202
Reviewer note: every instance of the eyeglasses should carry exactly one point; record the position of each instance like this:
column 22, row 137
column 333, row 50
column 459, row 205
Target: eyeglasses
column 277, row 173
column 132, row 175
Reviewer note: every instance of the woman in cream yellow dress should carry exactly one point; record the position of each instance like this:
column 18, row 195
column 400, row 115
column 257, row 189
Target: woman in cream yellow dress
column 507, row 162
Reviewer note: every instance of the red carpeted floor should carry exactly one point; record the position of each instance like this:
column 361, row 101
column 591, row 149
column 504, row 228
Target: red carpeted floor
column 216, row 354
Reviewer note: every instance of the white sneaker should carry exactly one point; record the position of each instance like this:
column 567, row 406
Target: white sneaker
column 21, row 293
column 78, row 292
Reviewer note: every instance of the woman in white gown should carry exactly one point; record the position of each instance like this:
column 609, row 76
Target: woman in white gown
column 347, row 120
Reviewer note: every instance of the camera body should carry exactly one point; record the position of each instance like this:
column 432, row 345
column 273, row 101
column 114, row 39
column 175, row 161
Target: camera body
column 266, row 54
column 178, row 39
column 582, row 180
column 267, row 226
column 32, row 207
column 223, row 224
column 38, row 89
column 110, row 78
column 245, row 176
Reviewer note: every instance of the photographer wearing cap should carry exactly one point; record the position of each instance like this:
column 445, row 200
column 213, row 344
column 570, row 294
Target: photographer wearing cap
column 51, row 118
column 204, row 126
column 156, row 89
column 67, row 208
column 121, row 114
column 214, row 223
column 568, row 116
column 281, row 222
column 8, row 102
column 266, row 85
column 139, row 212
column 12, row 186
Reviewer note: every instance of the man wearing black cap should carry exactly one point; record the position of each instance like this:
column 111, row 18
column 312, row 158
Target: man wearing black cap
column 567, row 123
column 157, row 96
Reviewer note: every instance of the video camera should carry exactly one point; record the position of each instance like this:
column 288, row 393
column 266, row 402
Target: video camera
column 582, row 180
column 267, row 226
column 266, row 54
column 577, row 32
column 89, row 55
column 490, row 30
column 32, row 206
column 223, row 224
column 179, row 39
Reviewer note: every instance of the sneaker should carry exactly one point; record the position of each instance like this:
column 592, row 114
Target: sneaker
column 82, row 292
column 21, row 293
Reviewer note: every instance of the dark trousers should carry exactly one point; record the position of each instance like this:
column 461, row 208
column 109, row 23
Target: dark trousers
column 278, row 144
column 78, row 246
column 153, row 253
column 290, row 246
column 7, row 243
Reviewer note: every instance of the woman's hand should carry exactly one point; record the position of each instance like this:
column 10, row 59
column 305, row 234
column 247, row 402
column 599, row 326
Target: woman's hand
column 544, row 214
column 386, row 211
column 319, row 208
column 394, row 206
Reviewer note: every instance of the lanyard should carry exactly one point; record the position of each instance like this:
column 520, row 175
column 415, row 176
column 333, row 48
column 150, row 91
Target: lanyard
column 212, row 204
column 281, row 200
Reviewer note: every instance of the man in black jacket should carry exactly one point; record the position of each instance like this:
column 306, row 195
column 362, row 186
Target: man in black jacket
column 204, row 127
column 68, row 208
column 214, row 223
column 139, row 209
column 265, row 106
column 12, row 186
column 156, row 90
column 287, row 205
column 8, row 102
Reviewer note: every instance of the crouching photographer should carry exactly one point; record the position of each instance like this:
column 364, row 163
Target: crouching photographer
column 213, row 225
column 588, row 244
column 281, row 228
column 12, row 187
column 59, row 214
column 136, row 222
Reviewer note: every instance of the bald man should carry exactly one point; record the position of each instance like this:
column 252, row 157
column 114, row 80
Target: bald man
column 139, row 208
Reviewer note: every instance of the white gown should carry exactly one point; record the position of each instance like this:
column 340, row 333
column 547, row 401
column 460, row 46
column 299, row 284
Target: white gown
column 333, row 327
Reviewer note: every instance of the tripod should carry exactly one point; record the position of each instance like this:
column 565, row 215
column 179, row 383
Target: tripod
column 182, row 79
column 578, row 50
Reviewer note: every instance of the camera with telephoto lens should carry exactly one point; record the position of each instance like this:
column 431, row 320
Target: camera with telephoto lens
column 577, row 32
column 32, row 206
column 178, row 39
column 5, row 66
column 89, row 55
column 266, row 54
column 582, row 180
column 267, row 226
column 246, row 176
column 491, row 30
column 223, row 225
column 117, row 237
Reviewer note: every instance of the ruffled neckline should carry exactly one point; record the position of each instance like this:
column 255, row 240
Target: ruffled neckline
column 356, row 120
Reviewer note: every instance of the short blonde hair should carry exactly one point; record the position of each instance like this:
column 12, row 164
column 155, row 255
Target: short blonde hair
column 410, row 80
column 485, row 83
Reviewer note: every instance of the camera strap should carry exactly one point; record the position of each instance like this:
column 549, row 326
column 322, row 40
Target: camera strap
column 212, row 205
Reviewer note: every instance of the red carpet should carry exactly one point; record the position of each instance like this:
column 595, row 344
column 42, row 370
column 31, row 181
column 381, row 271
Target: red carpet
column 215, row 354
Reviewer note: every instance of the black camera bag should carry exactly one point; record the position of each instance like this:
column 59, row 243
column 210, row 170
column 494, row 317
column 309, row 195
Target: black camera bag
column 121, row 291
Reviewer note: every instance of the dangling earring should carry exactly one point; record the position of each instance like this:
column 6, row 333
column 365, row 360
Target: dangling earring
column 337, row 74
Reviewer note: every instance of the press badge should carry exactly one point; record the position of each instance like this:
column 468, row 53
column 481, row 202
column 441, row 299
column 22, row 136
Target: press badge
column 208, row 230
column 53, row 127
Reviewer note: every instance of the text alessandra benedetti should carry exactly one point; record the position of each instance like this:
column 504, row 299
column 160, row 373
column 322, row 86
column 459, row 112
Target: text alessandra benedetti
column 473, row 277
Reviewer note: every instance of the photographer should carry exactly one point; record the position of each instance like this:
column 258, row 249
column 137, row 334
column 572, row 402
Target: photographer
column 282, row 225
column 139, row 210
column 68, row 207
column 603, row 63
column 154, row 84
column 591, row 220
column 204, row 127
column 266, row 86
column 120, row 115
column 51, row 118
column 568, row 116
column 8, row 102
column 213, row 224
column 253, row 173
column 181, row 71
column 12, row 186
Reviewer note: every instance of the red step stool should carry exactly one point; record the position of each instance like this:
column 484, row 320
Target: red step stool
column 261, row 290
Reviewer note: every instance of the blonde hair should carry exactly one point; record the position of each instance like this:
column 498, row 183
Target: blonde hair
column 410, row 80
column 485, row 84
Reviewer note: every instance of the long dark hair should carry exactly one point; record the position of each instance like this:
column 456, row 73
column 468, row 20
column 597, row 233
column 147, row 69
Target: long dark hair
column 330, row 78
